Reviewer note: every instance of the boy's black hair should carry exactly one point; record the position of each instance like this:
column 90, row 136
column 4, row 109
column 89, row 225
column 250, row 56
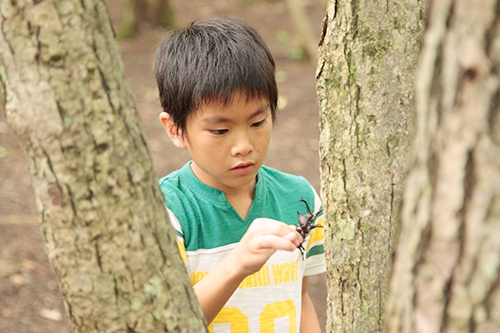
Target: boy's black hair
column 209, row 61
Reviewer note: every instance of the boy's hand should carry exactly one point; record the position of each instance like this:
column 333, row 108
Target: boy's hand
column 263, row 238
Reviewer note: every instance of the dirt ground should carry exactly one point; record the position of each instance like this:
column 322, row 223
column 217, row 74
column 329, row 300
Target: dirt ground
column 30, row 300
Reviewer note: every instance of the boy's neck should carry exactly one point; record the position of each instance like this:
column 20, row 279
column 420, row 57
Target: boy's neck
column 241, row 202
column 239, row 197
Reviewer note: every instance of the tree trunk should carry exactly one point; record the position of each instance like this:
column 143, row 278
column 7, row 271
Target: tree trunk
column 308, row 37
column 103, row 216
column 157, row 13
column 365, row 75
column 163, row 14
column 447, row 265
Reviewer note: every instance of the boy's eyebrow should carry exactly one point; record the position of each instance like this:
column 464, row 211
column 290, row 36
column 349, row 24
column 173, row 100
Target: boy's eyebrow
column 215, row 120
column 220, row 119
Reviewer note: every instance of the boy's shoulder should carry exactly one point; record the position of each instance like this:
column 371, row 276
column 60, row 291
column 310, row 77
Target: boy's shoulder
column 172, row 181
column 171, row 178
column 181, row 186
column 285, row 187
column 177, row 186
column 282, row 179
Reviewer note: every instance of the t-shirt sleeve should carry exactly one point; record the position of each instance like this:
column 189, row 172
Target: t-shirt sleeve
column 179, row 235
column 315, row 252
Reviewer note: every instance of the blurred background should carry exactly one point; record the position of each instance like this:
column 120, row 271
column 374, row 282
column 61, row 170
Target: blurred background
column 29, row 293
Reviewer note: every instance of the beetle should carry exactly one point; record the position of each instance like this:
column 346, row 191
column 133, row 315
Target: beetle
column 305, row 224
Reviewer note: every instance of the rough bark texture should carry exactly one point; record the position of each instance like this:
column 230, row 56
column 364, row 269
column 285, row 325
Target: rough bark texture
column 103, row 216
column 447, row 264
column 365, row 75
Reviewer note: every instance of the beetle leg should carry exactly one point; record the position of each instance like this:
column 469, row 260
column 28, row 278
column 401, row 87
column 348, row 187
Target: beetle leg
column 302, row 251
column 307, row 206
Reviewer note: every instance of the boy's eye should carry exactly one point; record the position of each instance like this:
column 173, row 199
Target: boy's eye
column 259, row 123
column 219, row 131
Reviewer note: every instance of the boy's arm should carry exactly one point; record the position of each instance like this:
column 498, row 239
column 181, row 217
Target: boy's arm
column 309, row 322
column 263, row 238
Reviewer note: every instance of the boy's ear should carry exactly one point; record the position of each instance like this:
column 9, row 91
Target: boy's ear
column 172, row 130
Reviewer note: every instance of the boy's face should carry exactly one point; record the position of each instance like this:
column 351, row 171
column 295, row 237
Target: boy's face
column 228, row 144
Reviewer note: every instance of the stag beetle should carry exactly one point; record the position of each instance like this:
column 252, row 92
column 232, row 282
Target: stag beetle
column 305, row 224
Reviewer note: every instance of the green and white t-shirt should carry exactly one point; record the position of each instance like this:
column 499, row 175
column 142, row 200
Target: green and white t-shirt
column 208, row 228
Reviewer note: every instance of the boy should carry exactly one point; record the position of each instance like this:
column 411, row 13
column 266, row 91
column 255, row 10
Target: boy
column 235, row 218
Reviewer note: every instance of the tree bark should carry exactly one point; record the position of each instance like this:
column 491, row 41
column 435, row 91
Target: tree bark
column 365, row 75
column 447, row 264
column 103, row 217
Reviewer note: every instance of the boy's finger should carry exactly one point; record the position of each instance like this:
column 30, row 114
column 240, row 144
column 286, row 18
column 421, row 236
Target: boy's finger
column 294, row 236
column 266, row 225
column 277, row 243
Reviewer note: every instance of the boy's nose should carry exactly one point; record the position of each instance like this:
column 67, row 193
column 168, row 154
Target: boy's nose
column 242, row 145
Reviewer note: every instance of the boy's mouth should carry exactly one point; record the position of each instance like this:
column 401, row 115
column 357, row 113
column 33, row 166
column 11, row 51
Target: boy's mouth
column 242, row 165
column 243, row 168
